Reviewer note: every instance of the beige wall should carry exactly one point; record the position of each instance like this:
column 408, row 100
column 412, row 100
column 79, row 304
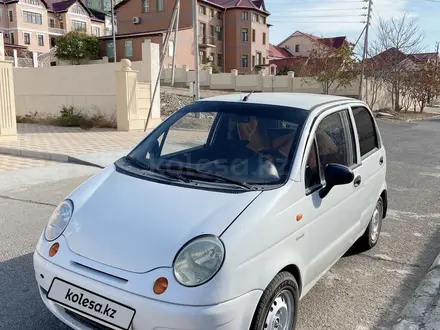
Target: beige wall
column 184, row 49
column 304, row 42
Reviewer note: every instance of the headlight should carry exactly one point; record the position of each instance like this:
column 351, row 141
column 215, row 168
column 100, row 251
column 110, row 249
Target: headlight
column 59, row 220
column 199, row 260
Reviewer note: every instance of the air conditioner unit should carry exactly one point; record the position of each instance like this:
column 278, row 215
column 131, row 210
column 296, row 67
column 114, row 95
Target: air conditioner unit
column 210, row 58
column 201, row 53
column 136, row 20
column 218, row 28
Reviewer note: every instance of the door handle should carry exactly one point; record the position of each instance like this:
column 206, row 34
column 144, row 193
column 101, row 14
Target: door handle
column 357, row 181
column 381, row 160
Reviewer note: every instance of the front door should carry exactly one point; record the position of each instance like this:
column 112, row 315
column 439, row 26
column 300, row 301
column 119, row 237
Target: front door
column 334, row 219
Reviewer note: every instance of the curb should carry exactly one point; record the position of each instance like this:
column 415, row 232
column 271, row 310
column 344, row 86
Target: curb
column 62, row 158
column 418, row 313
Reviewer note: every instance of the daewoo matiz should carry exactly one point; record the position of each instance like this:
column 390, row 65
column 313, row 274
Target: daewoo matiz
column 223, row 217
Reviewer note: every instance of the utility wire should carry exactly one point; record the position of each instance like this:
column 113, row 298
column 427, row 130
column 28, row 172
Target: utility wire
column 335, row 9
column 322, row 3
column 332, row 16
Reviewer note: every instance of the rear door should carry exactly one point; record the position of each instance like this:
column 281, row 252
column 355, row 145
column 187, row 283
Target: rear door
column 372, row 170
column 334, row 220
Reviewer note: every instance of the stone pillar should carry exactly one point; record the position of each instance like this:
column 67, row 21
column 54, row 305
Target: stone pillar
column 291, row 76
column 151, row 70
column 15, row 53
column 8, row 120
column 35, row 59
column 126, row 96
column 234, row 74
column 261, row 76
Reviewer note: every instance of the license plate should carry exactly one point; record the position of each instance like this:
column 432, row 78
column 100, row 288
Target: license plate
column 90, row 304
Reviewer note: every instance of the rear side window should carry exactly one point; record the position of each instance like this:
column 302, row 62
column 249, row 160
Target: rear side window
column 367, row 134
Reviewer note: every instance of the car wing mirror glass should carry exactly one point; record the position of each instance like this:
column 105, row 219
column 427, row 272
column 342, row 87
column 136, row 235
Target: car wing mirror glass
column 335, row 175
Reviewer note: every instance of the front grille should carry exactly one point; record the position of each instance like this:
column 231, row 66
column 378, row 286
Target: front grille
column 91, row 324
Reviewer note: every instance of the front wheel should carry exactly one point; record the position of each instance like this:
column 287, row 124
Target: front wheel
column 371, row 235
column 278, row 306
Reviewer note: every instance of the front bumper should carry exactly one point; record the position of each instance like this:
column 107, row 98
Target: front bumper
column 150, row 314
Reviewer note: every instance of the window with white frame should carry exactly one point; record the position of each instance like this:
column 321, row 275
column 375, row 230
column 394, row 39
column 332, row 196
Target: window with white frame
column 51, row 23
column 96, row 31
column 27, row 38
column 34, row 18
column 244, row 15
column 160, row 6
column 79, row 25
column 33, row 2
column 40, row 40
column 145, row 6
column 244, row 61
column 77, row 9
column 128, row 48
column 202, row 10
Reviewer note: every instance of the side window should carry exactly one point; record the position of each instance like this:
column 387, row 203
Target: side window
column 366, row 130
column 335, row 140
column 312, row 177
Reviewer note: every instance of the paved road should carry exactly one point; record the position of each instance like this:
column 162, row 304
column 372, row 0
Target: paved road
column 361, row 292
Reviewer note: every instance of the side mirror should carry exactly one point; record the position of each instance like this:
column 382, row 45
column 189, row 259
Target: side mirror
column 335, row 175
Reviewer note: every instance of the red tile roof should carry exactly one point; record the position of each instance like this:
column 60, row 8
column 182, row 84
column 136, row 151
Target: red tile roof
column 278, row 52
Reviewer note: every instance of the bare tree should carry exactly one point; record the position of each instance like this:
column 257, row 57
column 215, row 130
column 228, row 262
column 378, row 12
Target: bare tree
column 396, row 38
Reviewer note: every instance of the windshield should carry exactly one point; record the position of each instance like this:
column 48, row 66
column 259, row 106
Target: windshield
column 228, row 142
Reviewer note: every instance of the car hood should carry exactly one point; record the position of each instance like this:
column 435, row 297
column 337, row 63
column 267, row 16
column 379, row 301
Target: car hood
column 138, row 225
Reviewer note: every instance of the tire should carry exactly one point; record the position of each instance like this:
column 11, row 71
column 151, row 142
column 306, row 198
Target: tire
column 278, row 305
column 371, row 236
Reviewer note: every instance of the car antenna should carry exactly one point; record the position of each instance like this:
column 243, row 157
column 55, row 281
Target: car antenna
column 246, row 97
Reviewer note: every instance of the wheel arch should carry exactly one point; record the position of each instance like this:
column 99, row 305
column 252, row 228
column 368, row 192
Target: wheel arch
column 294, row 270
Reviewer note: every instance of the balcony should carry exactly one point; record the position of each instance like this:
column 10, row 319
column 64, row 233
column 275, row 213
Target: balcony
column 57, row 31
column 207, row 41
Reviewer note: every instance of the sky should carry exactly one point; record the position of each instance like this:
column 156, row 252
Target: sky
column 332, row 18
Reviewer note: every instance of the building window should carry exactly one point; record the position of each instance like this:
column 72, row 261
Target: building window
column 128, row 48
column 78, row 10
column 12, row 38
column 263, row 19
column 203, row 57
column 245, row 15
column 264, row 38
column 253, row 35
column 10, row 15
column 254, row 18
column 110, row 50
column 202, row 30
column 96, row 31
column 27, row 38
column 1, row 14
column 202, row 10
column 145, row 6
column 212, row 31
column 211, row 12
column 264, row 60
column 40, row 40
column 244, row 61
column 79, row 25
column 160, row 5
column 219, row 15
column 219, row 33
column 220, row 60
column 244, row 34
column 253, row 60
column 62, row 25
column 212, row 58
column 33, row 2
column 34, row 18
column 51, row 22
column 259, row 58
column 296, row 48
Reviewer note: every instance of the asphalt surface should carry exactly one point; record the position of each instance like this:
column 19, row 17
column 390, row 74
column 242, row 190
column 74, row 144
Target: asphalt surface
column 361, row 292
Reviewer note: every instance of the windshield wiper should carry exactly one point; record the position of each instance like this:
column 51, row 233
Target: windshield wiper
column 211, row 175
column 162, row 171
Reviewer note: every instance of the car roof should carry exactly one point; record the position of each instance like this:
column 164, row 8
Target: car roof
column 306, row 101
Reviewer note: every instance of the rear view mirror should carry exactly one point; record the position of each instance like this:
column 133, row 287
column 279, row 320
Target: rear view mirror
column 335, row 175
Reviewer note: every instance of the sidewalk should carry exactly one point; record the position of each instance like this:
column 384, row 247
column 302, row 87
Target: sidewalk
column 71, row 145
column 423, row 310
